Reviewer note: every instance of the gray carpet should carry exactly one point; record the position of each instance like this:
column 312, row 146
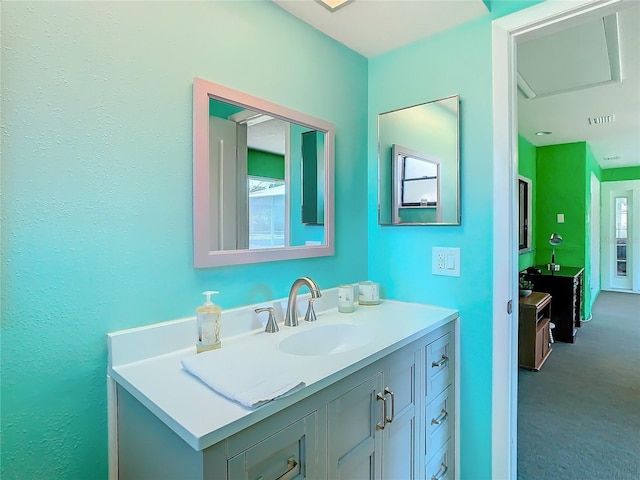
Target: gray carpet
column 579, row 416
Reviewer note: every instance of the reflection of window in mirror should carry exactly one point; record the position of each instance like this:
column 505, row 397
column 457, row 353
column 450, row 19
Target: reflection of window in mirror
column 524, row 214
column 419, row 182
column 267, row 213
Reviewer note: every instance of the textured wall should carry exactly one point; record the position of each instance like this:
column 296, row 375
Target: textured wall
column 96, row 184
column 563, row 186
column 457, row 61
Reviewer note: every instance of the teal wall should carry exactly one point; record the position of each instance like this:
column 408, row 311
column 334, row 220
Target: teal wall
column 527, row 168
column 457, row 61
column 96, row 186
column 620, row 174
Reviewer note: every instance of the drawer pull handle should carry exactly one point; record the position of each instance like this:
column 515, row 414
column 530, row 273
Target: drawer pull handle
column 441, row 418
column 381, row 425
column 387, row 391
column 441, row 473
column 291, row 470
column 443, row 361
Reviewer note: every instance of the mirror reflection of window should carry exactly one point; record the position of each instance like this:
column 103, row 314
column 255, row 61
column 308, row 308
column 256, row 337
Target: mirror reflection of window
column 423, row 133
column 524, row 214
column 419, row 182
column 267, row 213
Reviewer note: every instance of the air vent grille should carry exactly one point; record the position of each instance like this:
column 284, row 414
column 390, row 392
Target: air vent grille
column 602, row 119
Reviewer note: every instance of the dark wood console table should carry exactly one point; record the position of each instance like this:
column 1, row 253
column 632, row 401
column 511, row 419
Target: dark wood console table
column 565, row 287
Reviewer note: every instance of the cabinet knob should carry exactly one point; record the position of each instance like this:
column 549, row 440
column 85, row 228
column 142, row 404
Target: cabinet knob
column 440, row 473
column 387, row 391
column 291, row 472
column 441, row 362
column 441, row 418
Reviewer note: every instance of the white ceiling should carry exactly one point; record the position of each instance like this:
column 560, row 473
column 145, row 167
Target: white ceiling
column 374, row 27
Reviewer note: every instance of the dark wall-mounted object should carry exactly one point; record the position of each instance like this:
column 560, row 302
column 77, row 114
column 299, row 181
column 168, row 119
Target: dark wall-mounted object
column 313, row 178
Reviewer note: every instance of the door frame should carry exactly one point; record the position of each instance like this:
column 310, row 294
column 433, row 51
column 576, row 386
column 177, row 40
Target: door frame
column 506, row 33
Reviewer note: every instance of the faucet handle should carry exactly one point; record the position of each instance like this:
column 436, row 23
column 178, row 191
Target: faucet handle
column 272, row 325
column 310, row 316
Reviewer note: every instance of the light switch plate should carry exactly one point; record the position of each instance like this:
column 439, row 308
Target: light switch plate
column 445, row 261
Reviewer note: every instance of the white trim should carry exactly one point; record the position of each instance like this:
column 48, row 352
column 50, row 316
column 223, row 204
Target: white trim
column 506, row 32
column 456, row 398
column 112, row 427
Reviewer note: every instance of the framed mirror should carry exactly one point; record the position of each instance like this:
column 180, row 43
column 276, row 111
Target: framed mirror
column 419, row 164
column 262, row 180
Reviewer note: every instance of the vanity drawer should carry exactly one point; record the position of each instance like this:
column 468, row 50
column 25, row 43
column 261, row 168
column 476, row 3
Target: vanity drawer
column 441, row 466
column 287, row 454
column 439, row 365
column 439, row 415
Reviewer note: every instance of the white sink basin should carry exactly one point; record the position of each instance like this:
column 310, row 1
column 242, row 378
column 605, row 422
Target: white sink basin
column 326, row 340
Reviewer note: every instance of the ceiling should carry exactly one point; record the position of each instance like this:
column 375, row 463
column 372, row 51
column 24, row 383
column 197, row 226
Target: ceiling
column 569, row 93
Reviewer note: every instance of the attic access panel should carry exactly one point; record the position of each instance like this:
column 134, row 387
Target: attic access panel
column 578, row 57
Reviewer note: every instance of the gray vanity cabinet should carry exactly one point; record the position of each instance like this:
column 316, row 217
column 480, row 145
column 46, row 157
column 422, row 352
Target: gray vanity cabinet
column 391, row 419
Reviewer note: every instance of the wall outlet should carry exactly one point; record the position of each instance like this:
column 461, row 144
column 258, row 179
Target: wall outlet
column 445, row 261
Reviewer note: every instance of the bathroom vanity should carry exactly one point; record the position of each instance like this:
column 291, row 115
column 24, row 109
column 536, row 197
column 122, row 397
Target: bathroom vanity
column 384, row 408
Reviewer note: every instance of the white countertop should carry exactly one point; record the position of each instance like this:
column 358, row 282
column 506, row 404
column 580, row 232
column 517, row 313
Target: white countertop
column 202, row 417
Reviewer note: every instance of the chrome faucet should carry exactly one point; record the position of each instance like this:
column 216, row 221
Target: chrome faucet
column 291, row 317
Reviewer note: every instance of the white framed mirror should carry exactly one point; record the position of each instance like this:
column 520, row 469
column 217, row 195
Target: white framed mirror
column 419, row 164
column 262, row 180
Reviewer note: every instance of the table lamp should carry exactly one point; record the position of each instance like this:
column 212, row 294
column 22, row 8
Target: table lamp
column 554, row 241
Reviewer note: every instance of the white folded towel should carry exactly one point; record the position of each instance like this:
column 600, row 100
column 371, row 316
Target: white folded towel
column 249, row 381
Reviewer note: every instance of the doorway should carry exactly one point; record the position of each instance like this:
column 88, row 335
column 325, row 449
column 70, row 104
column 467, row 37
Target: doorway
column 507, row 32
column 620, row 225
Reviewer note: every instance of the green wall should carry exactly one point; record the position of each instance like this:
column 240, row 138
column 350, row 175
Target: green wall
column 563, row 176
column 527, row 168
column 265, row 164
column 620, row 174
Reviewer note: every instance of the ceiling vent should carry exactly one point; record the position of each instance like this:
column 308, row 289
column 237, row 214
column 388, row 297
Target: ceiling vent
column 602, row 119
column 580, row 57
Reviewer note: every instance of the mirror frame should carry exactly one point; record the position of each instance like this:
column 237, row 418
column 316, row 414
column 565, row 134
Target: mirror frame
column 203, row 256
column 392, row 179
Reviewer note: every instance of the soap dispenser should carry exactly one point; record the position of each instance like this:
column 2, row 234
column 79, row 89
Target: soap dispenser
column 208, row 324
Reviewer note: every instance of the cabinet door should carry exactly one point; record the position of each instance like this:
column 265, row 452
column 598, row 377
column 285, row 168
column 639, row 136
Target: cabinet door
column 288, row 454
column 354, row 440
column 400, row 434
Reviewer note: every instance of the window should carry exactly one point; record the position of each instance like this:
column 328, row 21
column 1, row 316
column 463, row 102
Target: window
column 524, row 214
column 621, row 236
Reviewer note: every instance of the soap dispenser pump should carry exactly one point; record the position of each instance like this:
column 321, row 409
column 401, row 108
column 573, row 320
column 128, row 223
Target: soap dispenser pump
column 208, row 324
